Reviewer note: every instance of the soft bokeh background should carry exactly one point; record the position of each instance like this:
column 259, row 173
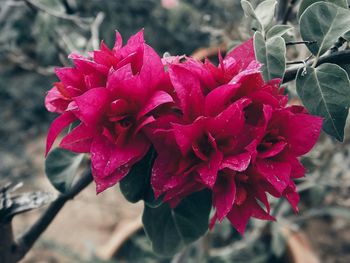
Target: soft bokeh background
column 37, row 35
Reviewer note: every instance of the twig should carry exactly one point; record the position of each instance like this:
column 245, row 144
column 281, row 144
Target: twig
column 300, row 42
column 299, row 61
column 339, row 58
column 79, row 21
column 94, row 41
column 338, row 44
column 27, row 240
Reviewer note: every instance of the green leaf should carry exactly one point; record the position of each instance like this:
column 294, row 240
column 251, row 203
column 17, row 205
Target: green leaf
column 265, row 12
column 171, row 229
column 325, row 91
column 324, row 23
column 347, row 36
column 136, row 184
column 61, row 166
column 306, row 3
column 278, row 31
column 271, row 54
column 249, row 12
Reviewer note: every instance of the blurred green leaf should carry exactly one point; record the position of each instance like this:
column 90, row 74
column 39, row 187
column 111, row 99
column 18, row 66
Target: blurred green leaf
column 325, row 91
column 271, row 54
column 278, row 242
column 324, row 23
column 61, row 166
column 171, row 229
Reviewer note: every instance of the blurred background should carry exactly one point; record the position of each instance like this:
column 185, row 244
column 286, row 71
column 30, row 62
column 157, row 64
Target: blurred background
column 37, row 35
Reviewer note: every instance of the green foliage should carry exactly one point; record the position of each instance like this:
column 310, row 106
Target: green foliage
column 325, row 91
column 278, row 31
column 136, row 185
column 171, row 229
column 263, row 13
column 61, row 166
column 324, row 23
column 271, row 53
column 306, row 3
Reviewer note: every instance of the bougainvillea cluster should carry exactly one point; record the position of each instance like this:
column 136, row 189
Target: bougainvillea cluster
column 221, row 127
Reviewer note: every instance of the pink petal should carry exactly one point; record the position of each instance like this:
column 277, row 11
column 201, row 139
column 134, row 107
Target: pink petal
column 274, row 150
column 138, row 38
column 243, row 54
column 118, row 41
column 185, row 135
column 55, row 101
column 158, row 98
column 102, row 183
column 276, row 173
column 79, row 139
column 208, row 171
column 92, row 105
column 292, row 196
column 107, row 157
column 70, row 77
column 230, row 122
column 216, row 101
column 152, row 69
column 240, row 215
column 56, row 128
column 188, row 90
column 238, row 162
column 302, row 132
column 224, row 193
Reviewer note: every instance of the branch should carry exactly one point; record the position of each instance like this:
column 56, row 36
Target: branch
column 79, row 21
column 339, row 58
column 27, row 240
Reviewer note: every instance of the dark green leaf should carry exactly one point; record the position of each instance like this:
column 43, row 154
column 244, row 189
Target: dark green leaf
column 271, row 54
column 324, row 23
column 61, row 166
column 171, row 229
column 325, row 91
column 306, row 3
column 136, row 184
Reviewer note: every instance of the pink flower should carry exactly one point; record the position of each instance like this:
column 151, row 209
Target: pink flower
column 234, row 135
column 113, row 94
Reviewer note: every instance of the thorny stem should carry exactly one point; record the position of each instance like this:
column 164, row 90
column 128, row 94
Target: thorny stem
column 300, row 42
column 299, row 61
column 339, row 58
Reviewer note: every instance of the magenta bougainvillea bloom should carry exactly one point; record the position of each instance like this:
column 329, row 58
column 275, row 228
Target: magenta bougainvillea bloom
column 221, row 128
column 113, row 94
column 236, row 136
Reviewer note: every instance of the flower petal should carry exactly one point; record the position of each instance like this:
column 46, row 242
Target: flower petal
column 57, row 127
column 188, row 90
column 224, row 193
column 238, row 162
column 79, row 139
column 92, row 105
column 159, row 98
